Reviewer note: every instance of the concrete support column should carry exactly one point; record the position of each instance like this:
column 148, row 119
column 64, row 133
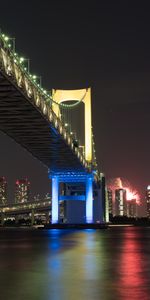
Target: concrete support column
column 103, row 195
column 16, row 219
column 100, row 205
column 2, row 218
column 32, row 217
column 89, row 200
column 55, row 193
column 47, row 217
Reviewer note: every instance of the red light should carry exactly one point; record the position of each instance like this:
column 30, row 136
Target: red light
column 124, row 184
column 132, row 195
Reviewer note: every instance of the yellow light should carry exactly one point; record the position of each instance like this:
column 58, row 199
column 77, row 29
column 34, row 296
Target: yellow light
column 65, row 95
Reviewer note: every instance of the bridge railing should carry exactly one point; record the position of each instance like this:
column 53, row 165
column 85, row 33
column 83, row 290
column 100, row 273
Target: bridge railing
column 12, row 67
column 25, row 206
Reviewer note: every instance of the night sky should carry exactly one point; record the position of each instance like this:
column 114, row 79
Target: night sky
column 77, row 44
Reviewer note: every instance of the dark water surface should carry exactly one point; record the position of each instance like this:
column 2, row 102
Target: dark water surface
column 73, row 265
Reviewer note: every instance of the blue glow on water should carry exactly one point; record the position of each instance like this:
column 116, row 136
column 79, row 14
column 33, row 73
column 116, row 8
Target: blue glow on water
column 54, row 239
column 55, row 232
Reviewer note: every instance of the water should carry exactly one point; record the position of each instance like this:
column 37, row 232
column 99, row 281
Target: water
column 72, row 265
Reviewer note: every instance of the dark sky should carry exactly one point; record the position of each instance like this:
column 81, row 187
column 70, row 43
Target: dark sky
column 102, row 44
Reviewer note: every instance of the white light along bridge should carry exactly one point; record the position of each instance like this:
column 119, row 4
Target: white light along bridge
column 35, row 119
column 27, row 208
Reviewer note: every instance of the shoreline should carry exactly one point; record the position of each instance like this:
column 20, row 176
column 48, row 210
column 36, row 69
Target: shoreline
column 73, row 226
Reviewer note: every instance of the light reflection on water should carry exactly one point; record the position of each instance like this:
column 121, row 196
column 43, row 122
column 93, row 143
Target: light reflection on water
column 132, row 264
column 108, row 264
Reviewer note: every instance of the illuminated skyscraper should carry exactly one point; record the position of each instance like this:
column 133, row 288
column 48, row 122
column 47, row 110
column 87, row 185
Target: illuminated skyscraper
column 132, row 208
column 148, row 201
column 3, row 191
column 22, row 189
column 120, row 202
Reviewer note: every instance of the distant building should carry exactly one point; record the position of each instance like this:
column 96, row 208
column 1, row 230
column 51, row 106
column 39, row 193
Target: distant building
column 148, row 201
column 132, row 208
column 22, row 191
column 120, row 202
column 3, row 191
column 110, row 201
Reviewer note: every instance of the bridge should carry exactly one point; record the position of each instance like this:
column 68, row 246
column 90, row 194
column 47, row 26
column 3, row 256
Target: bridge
column 28, row 208
column 38, row 120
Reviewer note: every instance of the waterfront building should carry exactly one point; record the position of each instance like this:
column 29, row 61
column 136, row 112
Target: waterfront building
column 148, row 201
column 110, row 201
column 120, row 202
column 22, row 191
column 132, row 208
column 3, row 191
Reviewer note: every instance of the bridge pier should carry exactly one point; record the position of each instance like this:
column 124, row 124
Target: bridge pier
column 55, row 206
column 72, row 177
column 89, row 199
column 47, row 217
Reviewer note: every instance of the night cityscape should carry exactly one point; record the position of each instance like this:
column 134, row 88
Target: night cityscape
column 74, row 150
column 123, row 200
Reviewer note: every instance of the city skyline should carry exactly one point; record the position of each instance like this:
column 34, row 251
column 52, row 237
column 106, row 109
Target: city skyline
column 25, row 194
column 120, row 205
column 113, row 186
column 131, row 192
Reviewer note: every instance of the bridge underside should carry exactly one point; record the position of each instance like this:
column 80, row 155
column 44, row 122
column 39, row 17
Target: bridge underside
column 21, row 120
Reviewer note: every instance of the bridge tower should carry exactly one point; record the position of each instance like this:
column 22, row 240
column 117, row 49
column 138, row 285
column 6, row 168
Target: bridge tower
column 85, row 178
column 83, row 95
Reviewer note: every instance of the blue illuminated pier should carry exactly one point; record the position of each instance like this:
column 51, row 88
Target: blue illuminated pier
column 72, row 177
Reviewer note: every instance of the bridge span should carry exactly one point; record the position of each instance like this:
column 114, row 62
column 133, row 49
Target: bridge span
column 33, row 118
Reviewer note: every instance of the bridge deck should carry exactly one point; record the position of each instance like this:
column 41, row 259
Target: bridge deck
column 24, row 122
